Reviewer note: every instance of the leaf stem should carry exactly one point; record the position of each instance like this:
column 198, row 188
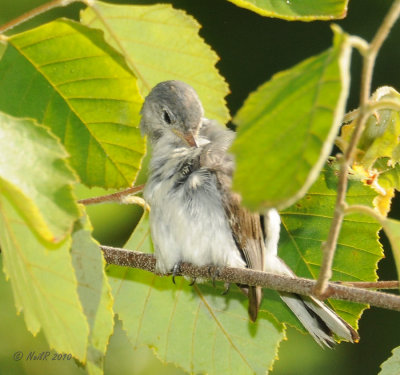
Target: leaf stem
column 369, row 57
column 115, row 197
column 35, row 12
column 359, row 208
column 136, row 259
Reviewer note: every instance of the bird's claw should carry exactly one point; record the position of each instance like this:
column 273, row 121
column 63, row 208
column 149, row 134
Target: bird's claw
column 214, row 273
column 175, row 270
column 227, row 287
column 192, row 282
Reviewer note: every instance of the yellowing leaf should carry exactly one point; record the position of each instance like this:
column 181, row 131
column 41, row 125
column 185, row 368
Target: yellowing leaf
column 377, row 153
column 160, row 43
column 195, row 328
column 68, row 78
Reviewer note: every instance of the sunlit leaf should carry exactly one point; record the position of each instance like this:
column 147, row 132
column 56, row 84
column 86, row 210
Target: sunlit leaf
column 305, row 10
column 381, row 136
column 36, row 178
column 43, row 282
column 390, row 177
column 161, row 43
column 68, row 78
column 195, row 328
column 94, row 292
column 392, row 365
column 287, row 128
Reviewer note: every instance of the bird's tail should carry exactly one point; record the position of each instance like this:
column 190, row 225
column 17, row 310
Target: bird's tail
column 255, row 296
column 318, row 319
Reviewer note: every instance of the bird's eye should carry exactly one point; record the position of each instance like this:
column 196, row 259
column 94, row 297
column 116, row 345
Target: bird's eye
column 167, row 117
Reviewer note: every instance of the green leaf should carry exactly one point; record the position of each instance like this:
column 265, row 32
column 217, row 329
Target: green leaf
column 195, row 328
column 305, row 226
column 43, row 282
column 94, row 292
column 287, row 128
column 36, row 178
column 391, row 365
column 292, row 10
column 161, row 43
column 68, row 78
column 392, row 230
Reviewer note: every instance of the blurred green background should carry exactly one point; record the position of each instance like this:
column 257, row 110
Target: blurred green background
column 252, row 49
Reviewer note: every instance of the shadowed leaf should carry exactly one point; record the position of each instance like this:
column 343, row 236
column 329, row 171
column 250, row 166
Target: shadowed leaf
column 94, row 293
column 293, row 10
column 287, row 128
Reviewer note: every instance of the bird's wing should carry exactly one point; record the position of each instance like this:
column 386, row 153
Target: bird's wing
column 247, row 233
column 245, row 226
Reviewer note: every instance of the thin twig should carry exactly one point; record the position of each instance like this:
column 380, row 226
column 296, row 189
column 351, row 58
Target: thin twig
column 115, row 197
column 136, row 259
column 392, row 284
column 369, row 57
column 35, row 12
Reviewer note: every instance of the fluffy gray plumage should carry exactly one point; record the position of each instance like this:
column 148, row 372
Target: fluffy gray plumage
column 196, row 218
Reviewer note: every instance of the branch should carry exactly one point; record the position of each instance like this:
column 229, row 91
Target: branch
column 136, row 259
column 35, row 12
column 115, row 197
column 369, row 57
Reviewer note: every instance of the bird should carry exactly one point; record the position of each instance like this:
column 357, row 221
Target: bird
column 195, row 216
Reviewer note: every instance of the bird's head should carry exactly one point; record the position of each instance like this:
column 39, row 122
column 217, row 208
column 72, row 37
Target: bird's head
column 172, row 108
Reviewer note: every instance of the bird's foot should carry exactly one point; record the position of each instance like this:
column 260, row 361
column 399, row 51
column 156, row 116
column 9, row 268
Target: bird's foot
column 192, row 282
column 214, row 272
column 175, row 270
column 227, row 287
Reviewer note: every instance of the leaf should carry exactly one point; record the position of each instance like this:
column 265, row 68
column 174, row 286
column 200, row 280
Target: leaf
column 195, row 328
column 377, row 155
column 67, row 77
column 292, row 10
column 287, row 128
column 390, row 178
column 381, row 136
column 39, row 185
column 305, row 226
column 161, row 43
column 392, row 230
column 43, row 282
column 391, row 365
column 94, row 292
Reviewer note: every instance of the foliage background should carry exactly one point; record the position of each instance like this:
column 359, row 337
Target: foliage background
column 252, row 48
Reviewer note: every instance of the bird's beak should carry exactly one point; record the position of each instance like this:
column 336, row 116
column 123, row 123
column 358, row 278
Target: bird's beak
column 187, row 137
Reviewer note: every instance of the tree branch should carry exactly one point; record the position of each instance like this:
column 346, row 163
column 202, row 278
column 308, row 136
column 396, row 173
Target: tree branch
column 144, row 261
column 35, row 12
column 115, row 197
column 369, row 57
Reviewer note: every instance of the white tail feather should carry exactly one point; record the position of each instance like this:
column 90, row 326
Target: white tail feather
column 319, row 320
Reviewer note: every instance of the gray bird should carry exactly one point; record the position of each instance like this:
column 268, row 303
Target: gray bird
column 195, row 217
